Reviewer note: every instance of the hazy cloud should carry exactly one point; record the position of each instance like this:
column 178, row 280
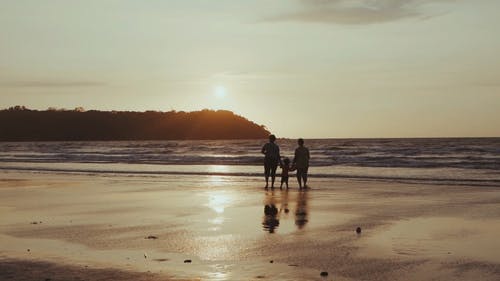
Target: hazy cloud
column 357, row 11
column 50, row 84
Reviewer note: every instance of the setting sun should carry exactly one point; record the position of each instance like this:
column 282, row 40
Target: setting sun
column 220, row 92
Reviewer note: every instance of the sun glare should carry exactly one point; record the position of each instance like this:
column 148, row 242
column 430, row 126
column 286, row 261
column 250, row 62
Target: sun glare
column 219, row 200
column 220, row 92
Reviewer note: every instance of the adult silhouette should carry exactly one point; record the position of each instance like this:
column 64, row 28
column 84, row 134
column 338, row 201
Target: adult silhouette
column 271, row 159
column 301, row 163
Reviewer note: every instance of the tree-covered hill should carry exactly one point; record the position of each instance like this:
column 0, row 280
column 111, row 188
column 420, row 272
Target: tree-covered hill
column 22, row 124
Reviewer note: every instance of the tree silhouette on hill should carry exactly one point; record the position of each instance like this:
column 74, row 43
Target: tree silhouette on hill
column 21, row 124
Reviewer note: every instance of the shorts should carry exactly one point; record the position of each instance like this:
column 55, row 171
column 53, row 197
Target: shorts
column 270, row 166
column 302, row 172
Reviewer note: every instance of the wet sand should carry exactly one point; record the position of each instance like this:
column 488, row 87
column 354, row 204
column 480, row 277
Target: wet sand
column 77, row 227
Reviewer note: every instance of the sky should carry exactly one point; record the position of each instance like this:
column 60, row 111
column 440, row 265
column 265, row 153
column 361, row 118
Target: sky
column 302, row 68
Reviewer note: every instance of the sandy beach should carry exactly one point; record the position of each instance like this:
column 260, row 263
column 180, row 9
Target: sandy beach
column 174, row 227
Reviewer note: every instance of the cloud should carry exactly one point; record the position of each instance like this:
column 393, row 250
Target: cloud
column 358, row 11
column 50, row 84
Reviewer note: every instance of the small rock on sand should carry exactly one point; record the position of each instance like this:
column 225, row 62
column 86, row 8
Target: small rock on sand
column 358, row 230
column 187, row 261
column 271, row 261
column 152, row 237
column 324, row 273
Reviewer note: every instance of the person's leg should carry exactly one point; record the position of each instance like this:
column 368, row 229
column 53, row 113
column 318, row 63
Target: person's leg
column 282, row 181
column 273, row 174
column 286, row 182
column 299, row 177
column 304, row 177
column 267, row 170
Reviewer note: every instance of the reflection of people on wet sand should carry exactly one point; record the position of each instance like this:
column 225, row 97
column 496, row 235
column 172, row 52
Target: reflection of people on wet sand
column 284, row 202
column 301, row 163
column 271, row 160
column 276, row 209
column 285, row 168
column 271, row 220
column 301, row 212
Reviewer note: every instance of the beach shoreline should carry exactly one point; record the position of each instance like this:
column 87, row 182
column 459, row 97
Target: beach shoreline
column 146, row 227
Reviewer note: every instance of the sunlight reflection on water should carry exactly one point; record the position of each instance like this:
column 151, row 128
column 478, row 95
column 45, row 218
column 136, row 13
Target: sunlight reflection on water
column 218, row 200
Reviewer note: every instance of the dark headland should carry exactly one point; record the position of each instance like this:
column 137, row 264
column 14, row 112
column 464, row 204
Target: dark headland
column 22, row 124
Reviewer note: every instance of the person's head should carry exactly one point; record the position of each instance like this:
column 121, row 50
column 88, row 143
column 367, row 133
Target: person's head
column 272, row 138
column 286, row 161
column 300, row 142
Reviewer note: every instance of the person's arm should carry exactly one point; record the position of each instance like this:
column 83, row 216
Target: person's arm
column 294, row 157
column 279, row 157
column 263, row 151
column 308, row 155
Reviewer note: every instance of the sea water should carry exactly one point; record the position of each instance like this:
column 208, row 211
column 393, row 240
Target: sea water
column 470, row 161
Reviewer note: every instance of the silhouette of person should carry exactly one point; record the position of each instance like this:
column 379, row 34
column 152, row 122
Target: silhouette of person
column 301, row 163
column 285, row 169
column 271, row 160
column 301, row 213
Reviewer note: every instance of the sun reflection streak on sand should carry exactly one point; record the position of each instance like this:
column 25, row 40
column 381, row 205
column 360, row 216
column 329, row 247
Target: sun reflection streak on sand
column 220, row 272
column 218, row 170
column 219, row 200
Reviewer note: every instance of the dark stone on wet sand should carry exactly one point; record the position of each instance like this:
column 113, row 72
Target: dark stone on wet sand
column 358, row 230
column 152, row 237
column 187, row 261
column 324, row 273
column 271, row 261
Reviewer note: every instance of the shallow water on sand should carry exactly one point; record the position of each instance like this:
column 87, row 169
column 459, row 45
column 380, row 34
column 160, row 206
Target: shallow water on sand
column 221, row 224
column 438, row 237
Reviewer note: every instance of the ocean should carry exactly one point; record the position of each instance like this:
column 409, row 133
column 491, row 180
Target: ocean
column 463, row 161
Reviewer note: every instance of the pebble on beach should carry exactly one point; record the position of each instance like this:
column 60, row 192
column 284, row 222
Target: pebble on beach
column 358, row 230
column 324, row 273
column 187, row 261
column 271, row 261
column 151, row 237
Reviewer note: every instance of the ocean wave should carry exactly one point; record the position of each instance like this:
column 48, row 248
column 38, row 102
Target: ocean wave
column 492, row 182
column 469, row 154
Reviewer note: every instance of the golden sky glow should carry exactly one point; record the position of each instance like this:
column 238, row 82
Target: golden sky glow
column 311, row 68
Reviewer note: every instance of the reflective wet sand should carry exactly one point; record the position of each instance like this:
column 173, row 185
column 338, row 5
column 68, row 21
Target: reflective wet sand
column 233, row 229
